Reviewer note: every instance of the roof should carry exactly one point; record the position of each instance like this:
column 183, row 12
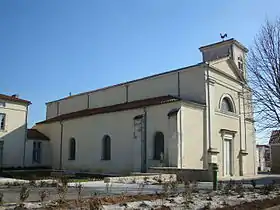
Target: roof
column 35, row 134
column 275, row 137
column 262, row 145
column 14, row 98
column 129, row 82
column 114, row 108
column 229, row 41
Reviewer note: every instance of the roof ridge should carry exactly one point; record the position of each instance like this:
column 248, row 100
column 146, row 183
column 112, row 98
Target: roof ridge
column 114, row 108
column 12, row 98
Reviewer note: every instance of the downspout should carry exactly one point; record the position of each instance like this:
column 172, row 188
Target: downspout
column 61, row 137
column 181, row 140
column 25, row 138
column 145, row 140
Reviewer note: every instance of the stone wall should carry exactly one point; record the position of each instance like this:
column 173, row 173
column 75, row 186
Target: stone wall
column 184, row 174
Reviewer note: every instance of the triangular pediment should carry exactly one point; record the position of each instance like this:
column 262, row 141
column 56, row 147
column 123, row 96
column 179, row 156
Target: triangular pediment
column 227, row 67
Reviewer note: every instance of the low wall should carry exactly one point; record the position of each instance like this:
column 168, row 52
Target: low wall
column 184, row 174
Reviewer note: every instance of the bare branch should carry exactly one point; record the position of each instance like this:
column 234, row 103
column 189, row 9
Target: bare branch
column 263, row 68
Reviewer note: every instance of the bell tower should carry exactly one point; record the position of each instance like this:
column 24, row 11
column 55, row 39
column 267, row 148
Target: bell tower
column 229, row 48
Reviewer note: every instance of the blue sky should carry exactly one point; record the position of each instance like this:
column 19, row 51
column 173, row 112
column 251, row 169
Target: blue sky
column 49, row 48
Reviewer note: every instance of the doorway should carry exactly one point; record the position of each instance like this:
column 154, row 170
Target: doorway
column 227, row 155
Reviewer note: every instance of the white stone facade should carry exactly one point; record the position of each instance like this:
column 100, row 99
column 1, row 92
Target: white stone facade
column 207, row 120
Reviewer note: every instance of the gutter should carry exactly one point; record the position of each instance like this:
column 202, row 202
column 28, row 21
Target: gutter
column 25, row 138
column 60, row 154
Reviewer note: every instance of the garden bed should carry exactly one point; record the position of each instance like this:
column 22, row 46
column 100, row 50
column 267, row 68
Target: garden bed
column 232, row 195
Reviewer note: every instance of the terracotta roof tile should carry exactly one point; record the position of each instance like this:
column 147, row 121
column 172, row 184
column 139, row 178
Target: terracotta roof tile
column 13, row 98
column 275, row 137
column 114, row 108
column 35, row 134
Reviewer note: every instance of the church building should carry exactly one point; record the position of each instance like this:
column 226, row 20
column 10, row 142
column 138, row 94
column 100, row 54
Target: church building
column 184, row 118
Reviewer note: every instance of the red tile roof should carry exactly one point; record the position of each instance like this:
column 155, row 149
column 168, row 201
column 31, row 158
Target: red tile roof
column 114, row 108
column 275, row 137
column 14, row 98
column 36, row 135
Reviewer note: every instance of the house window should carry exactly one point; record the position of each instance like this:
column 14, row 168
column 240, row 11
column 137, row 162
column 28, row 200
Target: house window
column 36, row 152
column 106, row 148
column 227, row 105
column 240, row 63
column 72, row 149
column 158, row 145
column 2, row 104
column 2, row 121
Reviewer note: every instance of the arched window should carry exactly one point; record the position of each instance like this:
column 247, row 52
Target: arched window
column 158, row 145
column 106, row 148
column 227, row 105
column 72, row 149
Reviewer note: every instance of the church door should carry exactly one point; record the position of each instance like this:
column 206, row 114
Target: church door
column 227, row 156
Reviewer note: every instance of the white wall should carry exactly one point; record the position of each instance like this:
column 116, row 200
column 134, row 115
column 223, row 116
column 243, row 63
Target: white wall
column 193, row 130
column 107, row 97
column 187, row 83
column 89, row 131
column 14, row 133
column 244, row 138
column 45, row 154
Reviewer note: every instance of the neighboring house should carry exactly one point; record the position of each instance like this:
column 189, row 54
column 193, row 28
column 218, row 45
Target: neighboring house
column 37, row 149
column 274, row 143
column 13, row 128
column 185, row 118
column 263, row 157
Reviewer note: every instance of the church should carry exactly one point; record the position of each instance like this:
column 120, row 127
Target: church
column 184, row 118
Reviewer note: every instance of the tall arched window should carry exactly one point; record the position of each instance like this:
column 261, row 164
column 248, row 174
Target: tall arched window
column 106, row 148
column 227, row 105
column 158, row 145
column 72, row 149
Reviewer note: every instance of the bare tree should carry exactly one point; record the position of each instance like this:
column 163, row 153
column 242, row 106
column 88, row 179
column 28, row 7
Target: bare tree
column 263, row 67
